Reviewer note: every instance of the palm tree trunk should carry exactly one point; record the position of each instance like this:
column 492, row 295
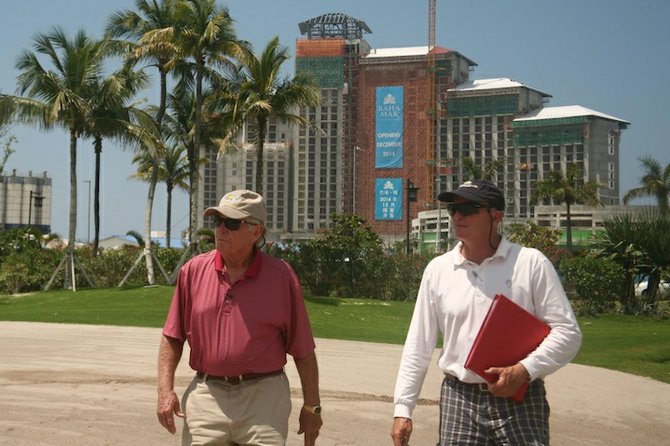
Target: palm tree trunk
column 72, row 231
column 96, row 195
column 195, row 152
column 662, row 200
column 168, row 223
column 148, row 253
column 629, row 293
column 192, row 192
column 148, row 256
column 163, row 98
column 653, row 281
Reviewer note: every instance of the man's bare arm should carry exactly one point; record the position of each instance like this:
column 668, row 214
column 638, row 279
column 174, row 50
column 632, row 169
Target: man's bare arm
column 310, row 424
column 169, row 354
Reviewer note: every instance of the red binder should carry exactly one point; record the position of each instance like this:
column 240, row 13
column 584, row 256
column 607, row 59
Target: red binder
column 507, row 335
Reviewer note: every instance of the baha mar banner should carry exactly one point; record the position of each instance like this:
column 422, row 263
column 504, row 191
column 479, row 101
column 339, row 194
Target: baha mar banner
column 388, row 127
column 388, row 199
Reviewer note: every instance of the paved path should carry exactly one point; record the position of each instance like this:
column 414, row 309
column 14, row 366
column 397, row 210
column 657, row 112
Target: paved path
column 78, row 385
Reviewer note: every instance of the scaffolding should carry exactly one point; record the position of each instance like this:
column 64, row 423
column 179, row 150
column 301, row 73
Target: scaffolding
column 334, row 25
column 330, row 54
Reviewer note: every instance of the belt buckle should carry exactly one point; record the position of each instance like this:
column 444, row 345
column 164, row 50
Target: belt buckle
column 234, row 379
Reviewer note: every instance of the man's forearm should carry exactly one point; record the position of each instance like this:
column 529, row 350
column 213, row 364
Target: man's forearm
column 169, row 354
column 308, row 370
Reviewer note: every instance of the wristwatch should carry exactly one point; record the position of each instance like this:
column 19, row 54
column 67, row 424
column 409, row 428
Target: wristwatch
column 316, row 410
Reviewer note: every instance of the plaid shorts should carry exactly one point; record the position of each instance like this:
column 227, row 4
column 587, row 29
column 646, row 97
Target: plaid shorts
column 472, row 416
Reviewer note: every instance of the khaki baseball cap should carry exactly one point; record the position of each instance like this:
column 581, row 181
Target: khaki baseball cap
column 239, row 205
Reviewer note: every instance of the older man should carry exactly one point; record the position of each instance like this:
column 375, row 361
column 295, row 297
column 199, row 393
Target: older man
column 241, row 311
column 456, row 292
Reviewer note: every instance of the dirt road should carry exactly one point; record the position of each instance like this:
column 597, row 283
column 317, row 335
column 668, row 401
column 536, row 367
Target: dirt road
column 78, row 385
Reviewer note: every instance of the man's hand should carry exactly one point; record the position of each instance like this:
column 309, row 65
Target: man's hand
column 401, row 431
column 310, row 424
column 509, row 379
column 168, row 406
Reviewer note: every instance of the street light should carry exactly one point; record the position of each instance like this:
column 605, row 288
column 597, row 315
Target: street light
column 36, row 200
column 353, row 201
column 88, row 233
column 438, row 231
column 412, row 193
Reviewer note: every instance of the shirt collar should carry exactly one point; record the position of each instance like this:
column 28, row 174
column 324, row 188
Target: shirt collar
column 502, row 251
column 252, row 270
column 503, row 248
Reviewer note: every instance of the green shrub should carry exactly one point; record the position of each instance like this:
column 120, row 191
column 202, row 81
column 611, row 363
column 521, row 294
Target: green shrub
column 24, row 264
column 593, row 284
column 13, row 277
column 402, row 277
column 110, row 267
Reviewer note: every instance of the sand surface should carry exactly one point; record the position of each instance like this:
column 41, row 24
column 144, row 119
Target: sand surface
column 79, row 385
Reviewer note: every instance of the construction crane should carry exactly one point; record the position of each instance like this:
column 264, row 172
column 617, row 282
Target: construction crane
column 431, row 23
column 431, row 112
column 431, row 153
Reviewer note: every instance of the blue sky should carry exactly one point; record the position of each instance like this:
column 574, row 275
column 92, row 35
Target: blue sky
column 612, row 56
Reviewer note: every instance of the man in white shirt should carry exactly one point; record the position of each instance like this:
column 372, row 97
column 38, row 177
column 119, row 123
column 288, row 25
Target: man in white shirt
column 456, row 292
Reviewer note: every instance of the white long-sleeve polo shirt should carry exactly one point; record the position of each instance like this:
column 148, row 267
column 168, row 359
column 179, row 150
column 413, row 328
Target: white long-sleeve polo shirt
column 453, row 299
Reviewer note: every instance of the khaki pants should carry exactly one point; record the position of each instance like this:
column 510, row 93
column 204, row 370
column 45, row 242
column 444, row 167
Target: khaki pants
column 250, row 413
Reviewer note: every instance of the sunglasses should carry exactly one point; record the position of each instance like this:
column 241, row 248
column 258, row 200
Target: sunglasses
column 229, row 223
column 465, row 209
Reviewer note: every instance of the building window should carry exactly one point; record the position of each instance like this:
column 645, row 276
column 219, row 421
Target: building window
column 611, row 141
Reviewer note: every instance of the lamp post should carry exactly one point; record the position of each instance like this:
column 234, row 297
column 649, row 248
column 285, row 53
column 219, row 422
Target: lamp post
column 88, row 230
column 411, row 196
column 438, row 231
column 36, row 200
column 353, row 185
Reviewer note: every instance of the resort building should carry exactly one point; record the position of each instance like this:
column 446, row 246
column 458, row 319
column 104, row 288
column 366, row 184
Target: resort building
column 398, row 126
column 25, row 201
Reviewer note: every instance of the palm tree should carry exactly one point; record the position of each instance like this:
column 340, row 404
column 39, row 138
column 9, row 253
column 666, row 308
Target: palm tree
column 152, row 39
column 7, row 149
column 654, row 183
column 567, row 188
column 640, row 244
column 111, row 116
column 179, row 121
column 151, row 32
column 173, row 171
column 204, row 34
column 137, row 236
column 472, row 171
column 179, row 131
column 264, row 94
column 57, row 96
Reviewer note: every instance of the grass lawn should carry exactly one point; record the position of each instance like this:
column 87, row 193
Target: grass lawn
column 629, row 344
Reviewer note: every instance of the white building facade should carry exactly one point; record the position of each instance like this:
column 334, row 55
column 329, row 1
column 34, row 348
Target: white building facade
column 25, row 201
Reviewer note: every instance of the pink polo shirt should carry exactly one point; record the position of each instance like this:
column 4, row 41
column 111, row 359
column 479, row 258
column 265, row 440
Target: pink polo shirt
column 248, row 327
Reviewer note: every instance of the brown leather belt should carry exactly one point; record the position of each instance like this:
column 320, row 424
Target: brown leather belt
column 483, row 387
column 237, row 379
